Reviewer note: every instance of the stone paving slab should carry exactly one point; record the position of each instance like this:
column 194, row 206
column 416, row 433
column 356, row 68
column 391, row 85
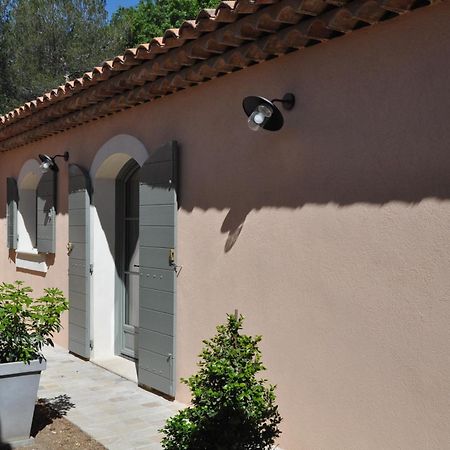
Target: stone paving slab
column 111, row 409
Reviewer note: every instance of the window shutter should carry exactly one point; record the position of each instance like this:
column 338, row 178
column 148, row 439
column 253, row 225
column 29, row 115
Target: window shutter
column 79, row 261
column 157, row 236
column 46, row 213
column 12, row 201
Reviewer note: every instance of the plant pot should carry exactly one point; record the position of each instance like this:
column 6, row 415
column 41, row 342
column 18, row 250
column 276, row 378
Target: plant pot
column 19, row 384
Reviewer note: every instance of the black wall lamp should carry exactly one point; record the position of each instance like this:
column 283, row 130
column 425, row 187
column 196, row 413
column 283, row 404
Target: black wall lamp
column 48, row 162
column 262, row 113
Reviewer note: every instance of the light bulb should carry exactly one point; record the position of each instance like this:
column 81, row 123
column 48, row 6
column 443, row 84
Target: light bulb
column 251, row 122
column 45, row 166
column 259, row 117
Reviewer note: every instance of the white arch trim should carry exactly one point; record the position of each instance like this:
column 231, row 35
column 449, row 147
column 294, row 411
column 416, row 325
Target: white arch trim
column 29, row 175
column 114, row 153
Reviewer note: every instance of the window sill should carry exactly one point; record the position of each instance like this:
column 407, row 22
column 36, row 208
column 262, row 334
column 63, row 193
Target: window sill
column 31, row 261
column 27, row 251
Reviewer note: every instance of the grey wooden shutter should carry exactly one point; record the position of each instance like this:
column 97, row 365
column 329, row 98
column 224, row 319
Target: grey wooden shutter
column 46, row 213
column 157, row 220
column 79, row 261
column 12, row 200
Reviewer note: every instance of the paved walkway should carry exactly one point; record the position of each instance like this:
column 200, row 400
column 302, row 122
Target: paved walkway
column 111, row 409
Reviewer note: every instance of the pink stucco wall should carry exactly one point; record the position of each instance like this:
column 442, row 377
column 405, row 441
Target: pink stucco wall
column 331, row 236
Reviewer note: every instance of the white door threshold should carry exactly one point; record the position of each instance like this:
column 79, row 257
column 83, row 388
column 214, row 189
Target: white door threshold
column 120, row 366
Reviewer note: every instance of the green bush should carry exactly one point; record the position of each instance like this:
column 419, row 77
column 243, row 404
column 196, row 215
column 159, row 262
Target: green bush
column 231, row 408
column 26, row 325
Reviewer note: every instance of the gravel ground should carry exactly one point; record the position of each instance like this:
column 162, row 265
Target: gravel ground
column 51, row 431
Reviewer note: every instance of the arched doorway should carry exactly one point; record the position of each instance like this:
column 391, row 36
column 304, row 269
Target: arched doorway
column 114, row 168
column 133, row 250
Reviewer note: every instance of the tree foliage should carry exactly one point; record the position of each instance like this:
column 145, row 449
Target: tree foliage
column 46, row 42
column 231, row 408
column 150, row 18
column 43, row 43
column 5, row 54
column 26, row 325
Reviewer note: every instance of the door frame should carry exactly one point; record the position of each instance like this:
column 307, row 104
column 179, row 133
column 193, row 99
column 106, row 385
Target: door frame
column 119, row 252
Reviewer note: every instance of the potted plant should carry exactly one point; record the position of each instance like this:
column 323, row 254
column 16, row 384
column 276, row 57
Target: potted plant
column 26, row 325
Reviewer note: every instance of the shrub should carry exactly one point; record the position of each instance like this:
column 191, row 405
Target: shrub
column 231, row 408
column 26, row 325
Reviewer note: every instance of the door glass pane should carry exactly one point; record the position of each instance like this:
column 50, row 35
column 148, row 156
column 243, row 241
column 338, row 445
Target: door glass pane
column 132, row 299
column 132, row 196
column 131, row 244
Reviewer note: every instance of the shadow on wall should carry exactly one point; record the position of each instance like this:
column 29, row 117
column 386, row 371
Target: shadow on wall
column 49, row 260
column 372, row 163
column 339, row 146
column 12, row 255
column 61, row 189
column 369, row 126
column 374, row 132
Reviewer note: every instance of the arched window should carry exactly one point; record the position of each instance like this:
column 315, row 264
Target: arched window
column 27, row 184
column 31, row 216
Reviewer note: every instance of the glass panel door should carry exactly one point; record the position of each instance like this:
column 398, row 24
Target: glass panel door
column 130, row 312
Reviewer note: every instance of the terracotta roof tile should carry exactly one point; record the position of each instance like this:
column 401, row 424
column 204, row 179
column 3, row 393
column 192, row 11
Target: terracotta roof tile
column 233, row 36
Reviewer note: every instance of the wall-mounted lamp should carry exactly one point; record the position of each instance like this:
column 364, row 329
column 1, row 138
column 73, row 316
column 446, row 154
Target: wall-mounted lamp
column 48, row 162
column 262, row 113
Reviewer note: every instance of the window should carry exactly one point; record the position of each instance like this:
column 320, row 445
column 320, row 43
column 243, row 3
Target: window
column 31, row 216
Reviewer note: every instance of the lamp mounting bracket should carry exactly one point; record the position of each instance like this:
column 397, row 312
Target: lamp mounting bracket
column 288, row 101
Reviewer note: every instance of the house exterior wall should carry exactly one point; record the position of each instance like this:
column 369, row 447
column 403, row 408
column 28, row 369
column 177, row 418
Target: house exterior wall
column 331, row 236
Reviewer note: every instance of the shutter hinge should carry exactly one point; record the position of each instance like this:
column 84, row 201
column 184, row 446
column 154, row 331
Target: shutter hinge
column 91, row 344
column 91, row 268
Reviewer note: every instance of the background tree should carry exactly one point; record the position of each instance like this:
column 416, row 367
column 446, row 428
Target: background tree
column 45, row 42
column 54, row 40
column 6, row 84
column 121, row 28
column 150, row 18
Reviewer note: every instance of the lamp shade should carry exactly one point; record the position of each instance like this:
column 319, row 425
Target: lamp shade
column 253, row 105
column 45, row 158
column 47, row 163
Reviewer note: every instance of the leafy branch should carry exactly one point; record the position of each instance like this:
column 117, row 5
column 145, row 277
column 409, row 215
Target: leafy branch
column 26, row 325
